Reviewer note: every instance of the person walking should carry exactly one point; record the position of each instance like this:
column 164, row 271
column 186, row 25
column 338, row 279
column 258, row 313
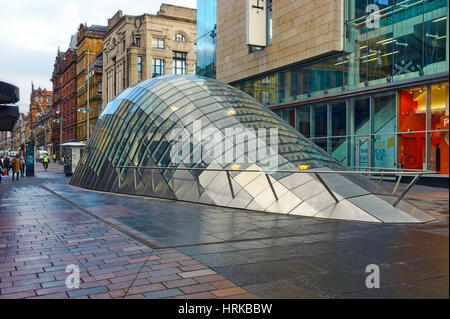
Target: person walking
column 45, row 161
column 6, row 164
column 16, row 165
column 1, row 168
column 22, row 169
column 54, row 158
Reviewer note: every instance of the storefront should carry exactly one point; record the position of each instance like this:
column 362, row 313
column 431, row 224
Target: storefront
column 405, row 128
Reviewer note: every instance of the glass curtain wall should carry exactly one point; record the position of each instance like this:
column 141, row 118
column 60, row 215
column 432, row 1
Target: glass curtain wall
column 407, row 128
column 206, row 38
column 407, row 39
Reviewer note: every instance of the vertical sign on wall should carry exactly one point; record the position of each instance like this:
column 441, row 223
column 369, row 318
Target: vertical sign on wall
column 256, row 23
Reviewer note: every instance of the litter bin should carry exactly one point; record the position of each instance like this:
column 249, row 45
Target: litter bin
column 72, row 152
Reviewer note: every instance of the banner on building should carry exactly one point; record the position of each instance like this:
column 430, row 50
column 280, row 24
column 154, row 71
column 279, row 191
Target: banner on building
column 256, row 23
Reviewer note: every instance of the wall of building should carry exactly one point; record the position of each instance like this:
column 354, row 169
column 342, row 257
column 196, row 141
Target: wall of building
column 122, row 51
column 301, row 30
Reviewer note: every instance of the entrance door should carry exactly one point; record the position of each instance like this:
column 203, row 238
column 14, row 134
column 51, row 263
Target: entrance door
column 362, row 151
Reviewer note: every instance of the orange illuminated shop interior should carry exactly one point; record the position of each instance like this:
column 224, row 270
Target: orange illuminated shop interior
column 413, row 133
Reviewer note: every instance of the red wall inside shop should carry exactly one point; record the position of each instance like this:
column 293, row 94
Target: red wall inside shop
column 412, row 145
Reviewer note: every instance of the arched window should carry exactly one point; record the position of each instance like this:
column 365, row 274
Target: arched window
column 179, row 37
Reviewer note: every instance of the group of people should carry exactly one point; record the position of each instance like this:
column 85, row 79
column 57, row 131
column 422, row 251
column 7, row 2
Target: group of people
column 16, row 165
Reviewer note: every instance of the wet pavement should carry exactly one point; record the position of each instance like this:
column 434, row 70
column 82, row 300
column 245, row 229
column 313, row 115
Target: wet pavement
column 46, row 224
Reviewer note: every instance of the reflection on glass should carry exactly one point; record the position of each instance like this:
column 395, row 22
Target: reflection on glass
column 320, row 120
column 384, row 109
column 361, row 115
column 304, row 120
column 338, row 118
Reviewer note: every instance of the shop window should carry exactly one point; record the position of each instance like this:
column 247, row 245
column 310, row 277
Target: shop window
column 338, row 118
column 303, row 114
column 385, row 112
column 412, row 110
column 320, row 120
column 361, row 116
column 439, row 136
column 412, row 151
column 384, row 151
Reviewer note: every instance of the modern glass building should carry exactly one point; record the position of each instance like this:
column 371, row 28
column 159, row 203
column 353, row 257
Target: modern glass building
column 381, row 101
column 206, row 38
column 196, row 139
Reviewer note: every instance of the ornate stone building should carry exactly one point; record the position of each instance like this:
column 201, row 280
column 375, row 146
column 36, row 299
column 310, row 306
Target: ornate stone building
column 90, row 43
column 41, row 101
column 141, row 47
column 68, row 107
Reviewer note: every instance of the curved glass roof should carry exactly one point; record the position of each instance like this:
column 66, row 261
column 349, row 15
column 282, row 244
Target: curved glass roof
column 147, row 124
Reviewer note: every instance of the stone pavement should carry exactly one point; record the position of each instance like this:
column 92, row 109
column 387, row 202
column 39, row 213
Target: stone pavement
column 134, row 247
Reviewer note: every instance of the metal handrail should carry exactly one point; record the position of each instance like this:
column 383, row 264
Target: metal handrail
column 306, row 171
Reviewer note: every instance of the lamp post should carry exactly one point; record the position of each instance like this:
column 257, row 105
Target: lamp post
column 86, row 110
column 45, row 136
column 60, row 121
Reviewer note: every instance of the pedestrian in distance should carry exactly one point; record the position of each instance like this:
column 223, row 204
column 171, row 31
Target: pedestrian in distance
column 1, row 168
column 54, row 158
column 45, row 161
column 7, row 165
column 16, row 165
column 22, row 169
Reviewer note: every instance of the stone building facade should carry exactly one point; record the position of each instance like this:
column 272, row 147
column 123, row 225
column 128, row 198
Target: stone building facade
column 90, row 43
column 301, row 30
column 137, row 48
column 41, row 101
column 68, row 107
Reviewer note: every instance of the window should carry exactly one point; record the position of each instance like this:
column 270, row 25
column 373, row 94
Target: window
column 99, row 88
column 180, row 38
column 123, row 46
column 157, row 67
column 158, row 43
column 138, row 42
column 42, row 99
column 269, row 22
column 179, row 62
column 139, row 65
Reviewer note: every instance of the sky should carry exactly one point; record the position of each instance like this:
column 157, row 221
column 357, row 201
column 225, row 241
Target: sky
column 31, row 31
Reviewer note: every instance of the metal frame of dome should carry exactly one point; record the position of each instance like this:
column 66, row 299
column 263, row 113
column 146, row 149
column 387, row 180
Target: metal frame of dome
column 130, row 149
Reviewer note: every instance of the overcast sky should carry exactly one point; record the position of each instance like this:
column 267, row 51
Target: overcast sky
column 31, row 31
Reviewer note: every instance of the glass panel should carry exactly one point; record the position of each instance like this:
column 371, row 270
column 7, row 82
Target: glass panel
column 361, row 108
column 362, row 151
column 338, row 118
column 412, row 151
column 322, row 142
column 439, row 157
column 303, row 120
column 320, row 120
column 384, row 151
column 385, row 106
column 339, row 148
column 412, row 110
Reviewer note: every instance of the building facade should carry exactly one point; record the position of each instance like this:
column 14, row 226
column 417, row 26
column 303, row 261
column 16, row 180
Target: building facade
column 146, row 46
column 90, row 43
column 68, row 107
column 57, row 121
column 365, row 80
column 41, row 101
